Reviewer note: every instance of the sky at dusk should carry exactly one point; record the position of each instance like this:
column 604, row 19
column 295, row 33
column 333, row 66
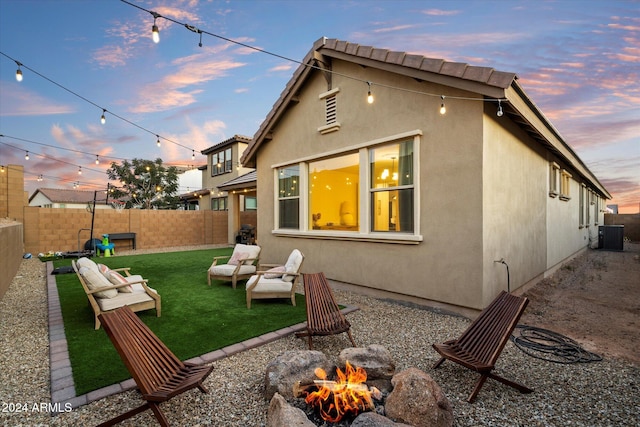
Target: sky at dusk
column 578, row 60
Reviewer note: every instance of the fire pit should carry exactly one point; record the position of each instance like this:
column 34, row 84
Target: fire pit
column 343, row 398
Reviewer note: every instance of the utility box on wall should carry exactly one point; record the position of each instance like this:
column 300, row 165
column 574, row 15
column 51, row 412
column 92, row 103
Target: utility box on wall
column 611, row 237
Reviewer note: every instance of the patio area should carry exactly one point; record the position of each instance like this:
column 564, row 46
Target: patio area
column 593, row 394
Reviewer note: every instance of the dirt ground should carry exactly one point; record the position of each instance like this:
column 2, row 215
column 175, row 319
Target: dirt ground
column 593, row 299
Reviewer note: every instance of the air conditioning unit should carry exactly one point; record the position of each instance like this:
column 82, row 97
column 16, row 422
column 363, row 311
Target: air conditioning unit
column 611, row 237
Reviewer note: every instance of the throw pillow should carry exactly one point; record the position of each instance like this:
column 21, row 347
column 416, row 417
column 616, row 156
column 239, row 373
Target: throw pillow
column 238, row 258
column 104, row 270
column 95, row 280
column 118, row 279
column 275, row 272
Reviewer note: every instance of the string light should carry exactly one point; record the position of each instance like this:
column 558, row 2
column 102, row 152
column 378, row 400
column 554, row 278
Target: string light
column 158, row 140
column 97, row 160
column 26, row 156
column 499, row 113
column 40, row 178
column 369, row 96
column 79, row 170
column 18, row 72
column 1, row 168
column 443, row 109
column 155, row 33
column 193, row 154
column 103, row 119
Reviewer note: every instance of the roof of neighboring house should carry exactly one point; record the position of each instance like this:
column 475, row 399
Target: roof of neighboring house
column 58, row 195
column 234, row 139
column 485, row 81
column 247, row 180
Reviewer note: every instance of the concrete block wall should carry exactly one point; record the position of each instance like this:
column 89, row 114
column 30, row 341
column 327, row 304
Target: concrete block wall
column 11, row 251
column 631, row 224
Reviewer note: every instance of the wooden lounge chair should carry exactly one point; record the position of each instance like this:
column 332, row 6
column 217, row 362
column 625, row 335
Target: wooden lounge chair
column 280, row 281
column 323, row 313
column 240, row 265
column 158, row 373
column 481, row 344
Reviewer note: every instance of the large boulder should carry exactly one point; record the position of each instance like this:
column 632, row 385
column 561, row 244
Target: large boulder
column 290, row 367
column 376, row 361
column 418, row 400
column 281, row 414
column 371, row 419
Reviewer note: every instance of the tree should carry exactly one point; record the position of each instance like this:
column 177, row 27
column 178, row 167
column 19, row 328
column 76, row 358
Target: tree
column 144, row 183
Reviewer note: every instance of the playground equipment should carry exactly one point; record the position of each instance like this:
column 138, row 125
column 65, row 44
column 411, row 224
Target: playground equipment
column 106, row 247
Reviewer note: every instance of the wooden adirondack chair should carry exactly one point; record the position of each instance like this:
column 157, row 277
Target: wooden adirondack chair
column 323, row 313
column 158, row 373
column 479, row 347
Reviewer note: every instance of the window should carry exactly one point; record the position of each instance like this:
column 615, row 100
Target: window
column 219, row 204
column 221, row 162
column 391, row 189
column 250, row 203
column 582, row 205
column 289, row 197
column 565, row 184
column 368, row 191
column 554, row 177
column 333, row 193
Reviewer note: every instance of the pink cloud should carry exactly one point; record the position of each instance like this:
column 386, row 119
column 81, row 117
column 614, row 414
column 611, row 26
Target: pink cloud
column 18, row 100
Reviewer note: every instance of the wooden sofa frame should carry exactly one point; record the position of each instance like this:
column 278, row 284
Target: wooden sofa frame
column 155, row 302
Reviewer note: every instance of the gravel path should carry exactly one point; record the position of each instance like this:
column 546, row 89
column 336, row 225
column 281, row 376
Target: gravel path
column 595, row 394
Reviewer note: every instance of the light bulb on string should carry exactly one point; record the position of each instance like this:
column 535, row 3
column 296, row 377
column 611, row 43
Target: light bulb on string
column 103, row 119
column 193, row 154
column 26, row 156
column 369, row 95
column 499, row 113
column 97, row 160
column 1, row 168
column 18, row 72
column 155, row 33
column 158, row 140
column 443, row 109
column 79, row 170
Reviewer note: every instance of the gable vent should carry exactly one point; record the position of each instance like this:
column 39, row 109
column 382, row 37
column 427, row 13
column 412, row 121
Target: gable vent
column 330, row 106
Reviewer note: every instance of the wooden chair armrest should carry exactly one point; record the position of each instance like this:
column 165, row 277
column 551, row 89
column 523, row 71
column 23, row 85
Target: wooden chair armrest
column 271, row 265
column 125, row 269
column 106, row 288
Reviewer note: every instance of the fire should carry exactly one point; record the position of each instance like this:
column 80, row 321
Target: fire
column 347, row 395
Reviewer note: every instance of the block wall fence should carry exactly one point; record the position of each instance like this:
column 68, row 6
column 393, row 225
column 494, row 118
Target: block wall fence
column 67, row 230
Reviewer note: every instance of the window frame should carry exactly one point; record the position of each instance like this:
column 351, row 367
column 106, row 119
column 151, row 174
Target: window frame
column 226, row 164
column 364, row 233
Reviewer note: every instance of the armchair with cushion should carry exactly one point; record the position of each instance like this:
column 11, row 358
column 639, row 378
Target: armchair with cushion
column 278, row 282
column 240, row 265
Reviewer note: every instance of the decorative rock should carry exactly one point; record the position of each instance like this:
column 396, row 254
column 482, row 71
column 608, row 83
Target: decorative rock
column 376, row 360
column 281, row 414
column 371, row 419
column 418, row 400
column 290, row 367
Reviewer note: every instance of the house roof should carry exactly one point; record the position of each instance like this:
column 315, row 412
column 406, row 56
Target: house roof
column 247, row 180
column 484, row 81
column 234, row 139
column 58, row 195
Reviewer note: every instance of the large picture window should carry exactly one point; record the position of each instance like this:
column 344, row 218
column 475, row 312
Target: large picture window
column 392, row 187
column 333, row 193
column 289, row 197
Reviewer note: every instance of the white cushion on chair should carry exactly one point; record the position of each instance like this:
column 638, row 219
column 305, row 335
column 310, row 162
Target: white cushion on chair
column 292, row 265
column 227, row 270
column 95, row 280
column 269, row 285
column 252, row 250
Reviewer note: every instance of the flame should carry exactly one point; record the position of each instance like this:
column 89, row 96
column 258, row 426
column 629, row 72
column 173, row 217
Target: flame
column 347, row 395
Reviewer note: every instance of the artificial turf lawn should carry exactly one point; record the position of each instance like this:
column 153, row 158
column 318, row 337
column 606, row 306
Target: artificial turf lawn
column 195, row 320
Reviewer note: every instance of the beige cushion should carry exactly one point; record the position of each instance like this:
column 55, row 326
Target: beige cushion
column 95, row 280
column 292, row 265
column 237, row 258
column 269, row 285
column 138, row 295
column 118, row 279
column 275, row 272
column 86, row 262
column 252, row 251
column 227, row 270
column 104, row 270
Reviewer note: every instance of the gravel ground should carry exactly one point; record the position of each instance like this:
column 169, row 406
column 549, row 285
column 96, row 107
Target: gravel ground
column 595, row 394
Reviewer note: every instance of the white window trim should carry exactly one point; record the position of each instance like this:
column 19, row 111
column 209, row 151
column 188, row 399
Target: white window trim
column 364, row 188
column 554, row 171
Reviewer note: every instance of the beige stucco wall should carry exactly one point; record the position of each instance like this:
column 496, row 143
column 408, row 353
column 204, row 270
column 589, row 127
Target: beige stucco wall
column 447, row 264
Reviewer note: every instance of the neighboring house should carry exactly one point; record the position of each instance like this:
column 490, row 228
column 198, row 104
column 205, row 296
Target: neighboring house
column 221, row 189
column 73, row 199
column 397, row 197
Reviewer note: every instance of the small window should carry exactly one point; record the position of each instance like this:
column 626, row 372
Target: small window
column 221, row 162
column 565, row 185
column 219, row 204
column 582, row 206
column 289, row 197
column 554, row 178
column 250, row 203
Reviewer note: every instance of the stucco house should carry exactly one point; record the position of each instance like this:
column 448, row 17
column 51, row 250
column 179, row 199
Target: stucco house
column 225, row 186
column 65, row 198
column 395, row 196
